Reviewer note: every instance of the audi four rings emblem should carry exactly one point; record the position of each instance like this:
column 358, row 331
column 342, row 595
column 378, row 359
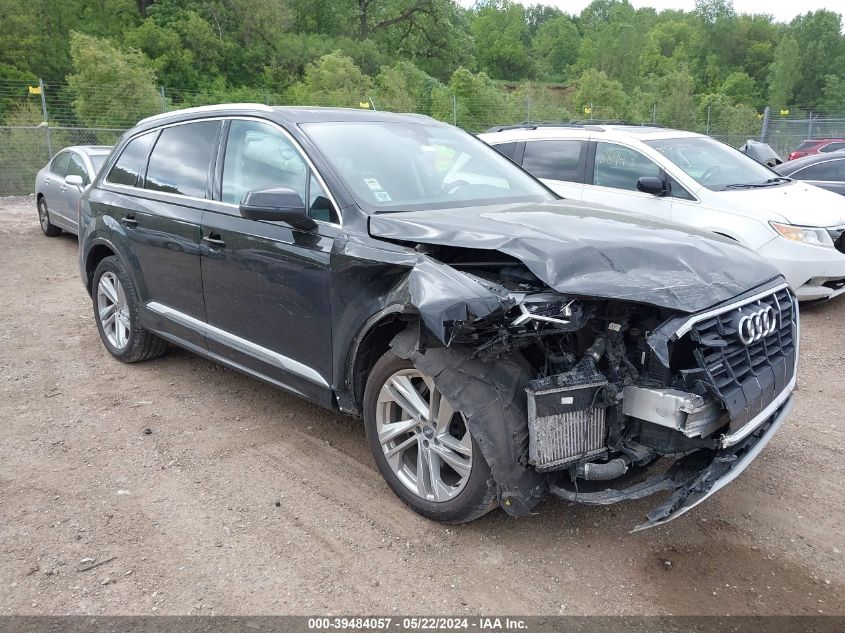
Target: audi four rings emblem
column 753, row 326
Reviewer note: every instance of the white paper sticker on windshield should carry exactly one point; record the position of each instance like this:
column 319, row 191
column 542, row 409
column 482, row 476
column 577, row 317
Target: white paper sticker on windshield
column 382, row 196
column 373, row 184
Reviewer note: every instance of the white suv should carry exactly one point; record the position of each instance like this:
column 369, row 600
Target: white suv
column 691, row 179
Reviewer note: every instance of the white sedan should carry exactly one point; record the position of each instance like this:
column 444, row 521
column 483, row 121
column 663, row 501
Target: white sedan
column 691, row 179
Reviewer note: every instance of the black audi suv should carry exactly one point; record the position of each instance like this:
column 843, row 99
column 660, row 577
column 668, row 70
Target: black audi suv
column 499, row 343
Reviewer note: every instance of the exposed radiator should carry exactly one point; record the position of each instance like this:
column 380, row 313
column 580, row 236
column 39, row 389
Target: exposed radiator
column 566, row 417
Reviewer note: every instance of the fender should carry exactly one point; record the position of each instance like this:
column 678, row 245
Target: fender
column 346, row 393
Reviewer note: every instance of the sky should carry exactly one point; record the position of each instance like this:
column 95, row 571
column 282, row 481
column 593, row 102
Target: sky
column 783, row 10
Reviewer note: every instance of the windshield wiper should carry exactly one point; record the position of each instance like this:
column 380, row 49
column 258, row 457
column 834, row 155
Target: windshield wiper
column 754, row 185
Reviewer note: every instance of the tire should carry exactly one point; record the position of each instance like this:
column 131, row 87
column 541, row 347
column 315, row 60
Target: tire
column 457, row 495
column 48, row 228
column 116, row 308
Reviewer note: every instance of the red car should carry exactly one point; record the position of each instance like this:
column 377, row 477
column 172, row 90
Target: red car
column 817, row 146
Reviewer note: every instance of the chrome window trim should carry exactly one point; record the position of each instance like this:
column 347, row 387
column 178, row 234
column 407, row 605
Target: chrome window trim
column 179, row 196
column 240, row 344
column 687, row 326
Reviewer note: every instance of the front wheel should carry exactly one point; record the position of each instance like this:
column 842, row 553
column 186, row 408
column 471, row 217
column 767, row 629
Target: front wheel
column 422, row 446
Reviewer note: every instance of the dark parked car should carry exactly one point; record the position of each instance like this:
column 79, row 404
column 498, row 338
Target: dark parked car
column 60, row 183
column 499, row 343
column 817, row 146
column 822, row 170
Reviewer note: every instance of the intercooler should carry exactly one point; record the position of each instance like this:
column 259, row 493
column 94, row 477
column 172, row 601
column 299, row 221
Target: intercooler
column 566, row 417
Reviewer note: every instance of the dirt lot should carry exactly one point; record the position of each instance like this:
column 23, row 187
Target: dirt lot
column 243, row 499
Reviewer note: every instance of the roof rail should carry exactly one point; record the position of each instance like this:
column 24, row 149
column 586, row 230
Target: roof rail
column 593, row 124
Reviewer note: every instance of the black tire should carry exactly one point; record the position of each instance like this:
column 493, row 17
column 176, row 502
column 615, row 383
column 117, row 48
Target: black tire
column 480, row 493
column 140, row 344
column 48, row 228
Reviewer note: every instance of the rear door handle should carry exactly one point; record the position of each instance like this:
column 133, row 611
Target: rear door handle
column 213, row 239
column 129, row 221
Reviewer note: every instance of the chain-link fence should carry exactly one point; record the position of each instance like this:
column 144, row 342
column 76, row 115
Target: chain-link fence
column 38, row 119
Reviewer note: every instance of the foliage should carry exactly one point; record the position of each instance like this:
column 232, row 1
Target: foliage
column 107, row 81
column 333, row 80
column 496, row 62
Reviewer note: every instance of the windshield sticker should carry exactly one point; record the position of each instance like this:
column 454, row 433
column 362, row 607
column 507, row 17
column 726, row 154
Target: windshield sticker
column 382, row 196
column 373, row 184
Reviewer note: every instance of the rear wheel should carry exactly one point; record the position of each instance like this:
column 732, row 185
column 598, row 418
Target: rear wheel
column 49, row 229
column 422, row 446
column 116, row 313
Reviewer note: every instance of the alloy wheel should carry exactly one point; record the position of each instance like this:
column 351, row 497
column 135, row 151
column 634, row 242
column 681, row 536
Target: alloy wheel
column 113, row 310
column 425, row 441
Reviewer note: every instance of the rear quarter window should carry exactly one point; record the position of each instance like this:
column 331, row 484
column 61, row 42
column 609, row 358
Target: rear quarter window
column 506, row 149
column 555, row 160
column 131, row 162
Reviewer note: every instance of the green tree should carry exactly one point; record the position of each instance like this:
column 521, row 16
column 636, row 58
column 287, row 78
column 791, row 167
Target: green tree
column 556, row 46
column 784, row 73
column 112, row 88
column 821, row 52
column 403, row 87
column 501, row 40
column 333, row 80
column 741, row 89
column 833, row 100
column 604, row 96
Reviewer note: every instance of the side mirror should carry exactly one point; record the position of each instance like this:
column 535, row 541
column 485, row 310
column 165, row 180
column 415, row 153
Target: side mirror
column 280, row 204
column 653, row 185
column 74, row 180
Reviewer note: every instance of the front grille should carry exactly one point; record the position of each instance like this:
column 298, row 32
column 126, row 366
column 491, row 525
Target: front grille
column 747, row 378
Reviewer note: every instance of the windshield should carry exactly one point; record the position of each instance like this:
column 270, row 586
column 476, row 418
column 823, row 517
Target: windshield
column 417, row 166
column 97, row 160
column 716, row 165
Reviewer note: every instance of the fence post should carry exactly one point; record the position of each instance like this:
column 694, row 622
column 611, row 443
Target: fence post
column 764, row 132
column 591, row 110
column 527, row 107
column 454, row 109
column 707, row 129
column 654, row 114
column 163, row 99
column 46, row 120
column 810, row 124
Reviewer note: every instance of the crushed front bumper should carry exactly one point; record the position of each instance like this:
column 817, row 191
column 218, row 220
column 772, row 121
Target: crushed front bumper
column 691, row 479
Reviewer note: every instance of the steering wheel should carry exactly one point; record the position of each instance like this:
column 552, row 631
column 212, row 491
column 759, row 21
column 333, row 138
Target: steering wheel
column 453, row 187
column 711, row 171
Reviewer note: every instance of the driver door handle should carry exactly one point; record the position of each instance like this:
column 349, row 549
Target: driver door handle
column 213, row 239
column 129, row 220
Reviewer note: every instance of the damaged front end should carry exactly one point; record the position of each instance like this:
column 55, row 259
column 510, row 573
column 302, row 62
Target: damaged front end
column 599, row 400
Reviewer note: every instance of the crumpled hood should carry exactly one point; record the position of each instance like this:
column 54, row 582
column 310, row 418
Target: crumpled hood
column 798, row 203
column 591, row 251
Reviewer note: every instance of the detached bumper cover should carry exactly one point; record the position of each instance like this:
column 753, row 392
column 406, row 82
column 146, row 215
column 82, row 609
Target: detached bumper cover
column 691, row 479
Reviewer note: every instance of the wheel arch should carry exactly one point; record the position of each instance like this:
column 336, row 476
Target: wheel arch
column 97, row 253
column 371, row 343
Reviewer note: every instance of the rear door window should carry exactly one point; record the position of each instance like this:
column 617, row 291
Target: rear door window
column 554, row 160
column 181, row 159
column 131, row 161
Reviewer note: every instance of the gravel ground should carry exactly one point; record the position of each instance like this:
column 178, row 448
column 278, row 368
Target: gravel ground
column 241, row 499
